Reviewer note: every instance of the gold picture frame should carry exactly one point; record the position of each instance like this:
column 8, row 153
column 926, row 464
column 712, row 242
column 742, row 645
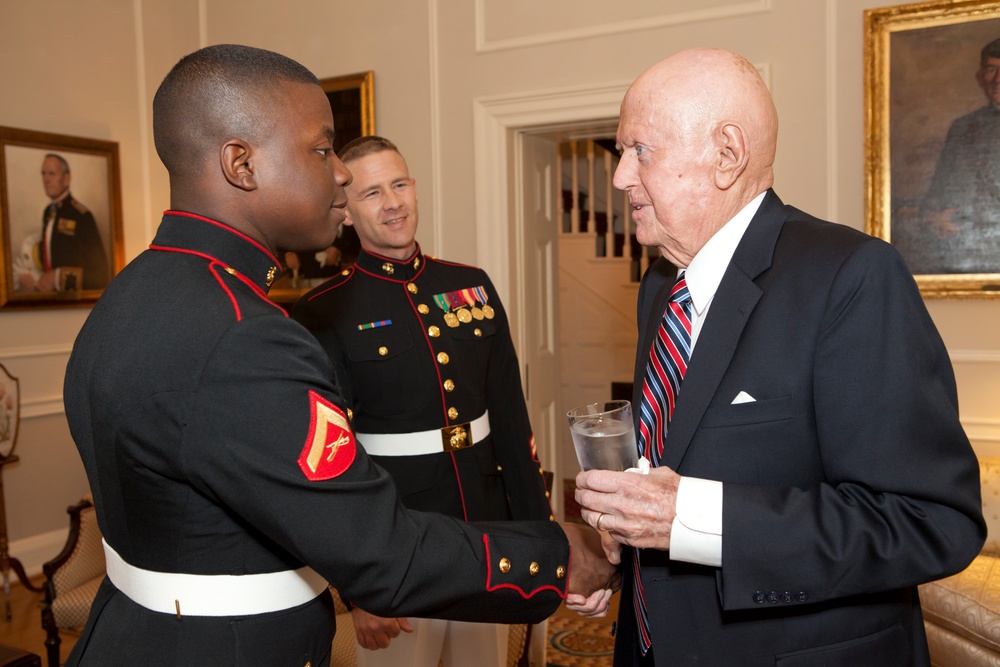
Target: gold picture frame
column 922, row 89
column 352, row 99
column 61, row 237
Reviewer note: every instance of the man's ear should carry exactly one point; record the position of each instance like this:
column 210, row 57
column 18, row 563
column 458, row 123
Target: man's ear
column 733, row 156
column 347, row 217
column 238, row 165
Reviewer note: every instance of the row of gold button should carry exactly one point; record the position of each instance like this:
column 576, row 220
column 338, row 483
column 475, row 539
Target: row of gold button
column 533, row 569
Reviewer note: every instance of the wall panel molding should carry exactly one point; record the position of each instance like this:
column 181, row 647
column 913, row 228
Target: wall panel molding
column 27, row 351
column 974, row 356
column 484, row 45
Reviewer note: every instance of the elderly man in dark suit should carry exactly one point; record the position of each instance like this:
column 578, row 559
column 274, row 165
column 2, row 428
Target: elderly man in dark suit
column 797, row 404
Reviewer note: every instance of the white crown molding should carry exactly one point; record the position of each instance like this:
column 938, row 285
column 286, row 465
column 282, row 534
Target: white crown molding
column 483, row 45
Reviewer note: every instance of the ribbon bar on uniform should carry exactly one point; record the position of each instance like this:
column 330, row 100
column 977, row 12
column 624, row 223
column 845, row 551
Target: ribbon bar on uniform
column 213, row 594
column 434, row 441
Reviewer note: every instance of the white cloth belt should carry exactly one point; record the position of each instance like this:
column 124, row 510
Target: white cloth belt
column 213, row 594
column 434, row 441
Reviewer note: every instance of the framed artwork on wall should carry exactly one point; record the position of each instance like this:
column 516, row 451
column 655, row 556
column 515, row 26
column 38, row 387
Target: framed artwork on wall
column 932, row 148
column 60, row 218
column 352, row 99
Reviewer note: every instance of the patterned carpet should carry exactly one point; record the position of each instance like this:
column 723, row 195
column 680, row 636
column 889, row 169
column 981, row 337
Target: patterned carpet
column 579, row 642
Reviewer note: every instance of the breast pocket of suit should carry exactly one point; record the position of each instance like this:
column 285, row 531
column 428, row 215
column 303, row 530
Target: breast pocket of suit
column 381, row 368
column 759, row 433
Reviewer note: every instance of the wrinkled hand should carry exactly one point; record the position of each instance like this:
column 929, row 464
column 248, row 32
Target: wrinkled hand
column 637, row 510
column 589, row 569
column 374, row 632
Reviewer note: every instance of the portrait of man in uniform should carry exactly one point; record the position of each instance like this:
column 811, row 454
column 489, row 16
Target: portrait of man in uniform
column 61, row 218
column 944, row 149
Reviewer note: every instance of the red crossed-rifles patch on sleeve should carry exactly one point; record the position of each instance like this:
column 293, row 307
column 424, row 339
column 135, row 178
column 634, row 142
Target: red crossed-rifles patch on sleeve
column 330, row 446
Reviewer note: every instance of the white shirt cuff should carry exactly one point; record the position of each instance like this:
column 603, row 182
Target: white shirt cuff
column 696, row 533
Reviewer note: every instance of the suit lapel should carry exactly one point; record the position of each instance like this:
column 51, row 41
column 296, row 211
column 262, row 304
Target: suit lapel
column 734, row 301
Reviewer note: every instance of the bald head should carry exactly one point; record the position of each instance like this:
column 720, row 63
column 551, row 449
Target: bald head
column 698, row 133
column 702, row 90
column 214, row 94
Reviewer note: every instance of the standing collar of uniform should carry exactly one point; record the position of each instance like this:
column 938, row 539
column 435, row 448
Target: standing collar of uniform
column 387, row 268
column 197, row 235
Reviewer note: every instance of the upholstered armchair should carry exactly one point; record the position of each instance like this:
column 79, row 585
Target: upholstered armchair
column 962, row 612
column 72, row 578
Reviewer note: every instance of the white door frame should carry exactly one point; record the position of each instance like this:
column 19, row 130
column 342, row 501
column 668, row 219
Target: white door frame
column 499, row 230
column 500, row 227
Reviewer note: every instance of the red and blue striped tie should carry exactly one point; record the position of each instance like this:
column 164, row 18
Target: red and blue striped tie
column 668, row 361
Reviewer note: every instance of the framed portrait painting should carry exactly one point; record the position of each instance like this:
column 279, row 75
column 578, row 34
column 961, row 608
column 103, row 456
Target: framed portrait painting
column 352, row 99
column 60, row 218
column 932, row 152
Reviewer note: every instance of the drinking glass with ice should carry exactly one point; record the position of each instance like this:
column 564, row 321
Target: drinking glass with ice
column 604, row 435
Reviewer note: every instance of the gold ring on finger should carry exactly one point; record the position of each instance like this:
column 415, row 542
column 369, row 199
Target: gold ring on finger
column 599, row 519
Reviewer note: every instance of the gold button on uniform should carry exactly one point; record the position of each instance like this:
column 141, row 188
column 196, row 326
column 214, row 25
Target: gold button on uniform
column 533, row 568
column 412, row 288
column 423, row 309
column 383, row 351
column 433, row 331
column 443, row 358
column 505, row 566
column 449, row 385
column 452, row 413
column 552, row 517
column 478, row 332
column 499, row 468
column 561, row 572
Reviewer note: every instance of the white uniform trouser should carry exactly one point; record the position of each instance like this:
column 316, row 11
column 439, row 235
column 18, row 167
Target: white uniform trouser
column 455, row 643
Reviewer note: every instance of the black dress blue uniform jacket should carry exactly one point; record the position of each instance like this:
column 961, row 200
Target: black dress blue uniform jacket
column 192, row 400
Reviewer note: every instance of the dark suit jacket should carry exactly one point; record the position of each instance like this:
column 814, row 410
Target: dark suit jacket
column 846, row 483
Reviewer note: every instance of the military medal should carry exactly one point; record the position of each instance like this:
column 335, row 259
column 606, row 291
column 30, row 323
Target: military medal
column 445, row 303
column 478, row 313
column 464, row 316
column 486, row 310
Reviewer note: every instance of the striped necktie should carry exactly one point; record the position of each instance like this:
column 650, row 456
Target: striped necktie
column 668, row 361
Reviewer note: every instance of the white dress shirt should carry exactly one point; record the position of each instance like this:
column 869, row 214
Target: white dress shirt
column 696, row 533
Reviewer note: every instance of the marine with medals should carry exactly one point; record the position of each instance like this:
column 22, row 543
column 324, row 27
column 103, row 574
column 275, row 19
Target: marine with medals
column 423, row 353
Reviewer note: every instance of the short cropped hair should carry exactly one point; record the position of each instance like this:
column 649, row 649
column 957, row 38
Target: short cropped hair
column 216, row 93
column 991, row 50
column 355, row 149
column 60, row 159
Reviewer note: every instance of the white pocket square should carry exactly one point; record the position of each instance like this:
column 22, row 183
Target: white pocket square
column 743, row 397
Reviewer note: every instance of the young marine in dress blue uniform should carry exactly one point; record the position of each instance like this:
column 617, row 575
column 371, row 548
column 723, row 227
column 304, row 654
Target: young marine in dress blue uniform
column 228, row 483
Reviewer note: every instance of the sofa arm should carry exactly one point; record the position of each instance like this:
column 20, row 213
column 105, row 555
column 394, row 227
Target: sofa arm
column 967, row 603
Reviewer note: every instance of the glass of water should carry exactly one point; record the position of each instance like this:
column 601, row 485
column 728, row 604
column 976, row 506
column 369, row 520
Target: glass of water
column 604, row 435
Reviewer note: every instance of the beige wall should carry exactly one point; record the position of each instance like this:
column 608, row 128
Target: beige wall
column 90, row 68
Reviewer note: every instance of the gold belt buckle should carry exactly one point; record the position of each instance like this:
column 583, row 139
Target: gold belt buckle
column 456, row 436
